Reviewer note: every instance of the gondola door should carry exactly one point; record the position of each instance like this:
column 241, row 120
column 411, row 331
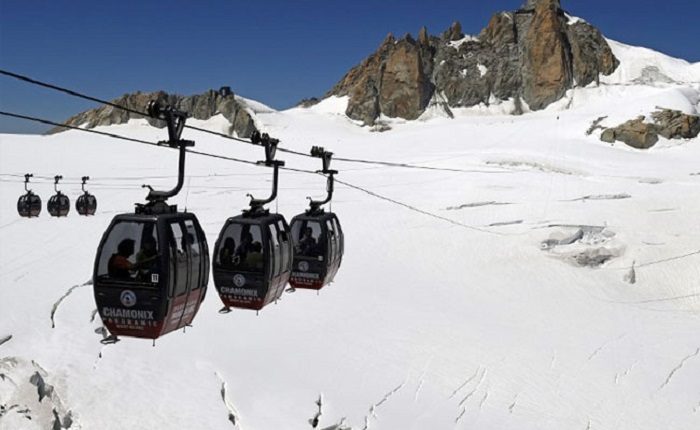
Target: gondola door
column 177, row 287
column 338, row 237
column 199, row 258
column 280, row 261
column 184, row 289
column 287, row 249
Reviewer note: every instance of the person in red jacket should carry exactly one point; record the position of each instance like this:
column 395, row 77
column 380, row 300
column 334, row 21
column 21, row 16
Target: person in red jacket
column 119, row 266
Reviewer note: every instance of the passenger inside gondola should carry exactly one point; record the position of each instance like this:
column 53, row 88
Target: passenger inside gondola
column 244, row 247
column 119, row 266
column 228, row 253
column 254, row 260
column 307, row 243
column 147, row 258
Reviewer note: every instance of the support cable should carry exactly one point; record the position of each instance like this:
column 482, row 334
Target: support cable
column 347, row 184
column 225, row 136
column 222, row 157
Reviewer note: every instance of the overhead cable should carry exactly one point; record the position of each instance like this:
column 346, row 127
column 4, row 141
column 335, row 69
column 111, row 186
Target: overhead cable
column 225, row 136
column 371, row 193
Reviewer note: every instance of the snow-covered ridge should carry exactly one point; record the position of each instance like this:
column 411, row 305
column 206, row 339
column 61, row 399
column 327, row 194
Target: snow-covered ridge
column 646, row 66
column 253, row 106
column 467, row 38
column 574, row 19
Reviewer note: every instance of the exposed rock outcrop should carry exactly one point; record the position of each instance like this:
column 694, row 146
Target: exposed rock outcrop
column 673, row 124
column 308, row 102
column 404, row 90
column 202, row 107
column 592, row 55
column 534, row 55
column 635, row 133
column 390, row 81
column 670, row 124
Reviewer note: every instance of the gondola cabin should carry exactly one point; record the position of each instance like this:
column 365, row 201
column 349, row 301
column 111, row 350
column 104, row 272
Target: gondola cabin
column 318, row 249
column 317, row 236
column 29, row 204
column 59, row 203
column 151, row 273
column 152, row 266
column 87, row 203
column 252, row 260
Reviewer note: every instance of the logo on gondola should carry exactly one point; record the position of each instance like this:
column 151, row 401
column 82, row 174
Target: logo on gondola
column 239, row 280
column 303, row 266
column 128, row 298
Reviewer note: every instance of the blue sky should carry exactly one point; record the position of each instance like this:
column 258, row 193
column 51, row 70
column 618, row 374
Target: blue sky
column 276, row 52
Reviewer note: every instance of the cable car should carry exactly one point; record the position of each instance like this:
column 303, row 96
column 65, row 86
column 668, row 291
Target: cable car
column 29, row 205
column 253, row 254
column 86, row 203
column 317, row 237
column 159, row 288
column 59, row 204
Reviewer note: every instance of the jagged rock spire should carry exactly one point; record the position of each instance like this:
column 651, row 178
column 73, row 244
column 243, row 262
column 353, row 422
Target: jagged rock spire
column 423, row 38
column 530, row 56
column 548, row 59
column 454, row 32
column 532, row 4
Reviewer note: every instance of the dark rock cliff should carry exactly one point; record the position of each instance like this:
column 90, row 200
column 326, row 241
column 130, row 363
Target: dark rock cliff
column 534, row 55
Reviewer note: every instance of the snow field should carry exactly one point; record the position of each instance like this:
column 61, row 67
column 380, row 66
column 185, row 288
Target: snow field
column 502, row 317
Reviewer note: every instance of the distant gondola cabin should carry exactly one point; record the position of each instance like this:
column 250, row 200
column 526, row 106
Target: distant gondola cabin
column 59, row 205
column 252, row 260
column 29, row 205
column 86, row 204
column 318, row 249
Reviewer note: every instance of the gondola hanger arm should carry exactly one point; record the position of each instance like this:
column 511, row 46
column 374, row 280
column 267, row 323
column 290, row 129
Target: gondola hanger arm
column 55, row 184
column 26, row 180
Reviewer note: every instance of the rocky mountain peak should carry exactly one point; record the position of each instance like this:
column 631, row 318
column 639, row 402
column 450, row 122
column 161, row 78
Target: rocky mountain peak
column 531, row 5
column 201, row 106
column 548, row 58
column 423, row 38
column 454, row 32
column 531, row 55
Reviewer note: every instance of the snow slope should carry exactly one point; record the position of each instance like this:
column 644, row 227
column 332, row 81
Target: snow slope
column 551, row 281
